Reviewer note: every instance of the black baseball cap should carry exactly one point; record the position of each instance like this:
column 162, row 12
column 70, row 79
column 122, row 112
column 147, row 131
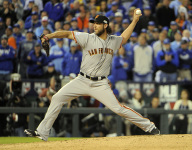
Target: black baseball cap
column 100, row 19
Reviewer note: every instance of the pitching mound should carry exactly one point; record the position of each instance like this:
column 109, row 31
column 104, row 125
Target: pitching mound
column 158, row 142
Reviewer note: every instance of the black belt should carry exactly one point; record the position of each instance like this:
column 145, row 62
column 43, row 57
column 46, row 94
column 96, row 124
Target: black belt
column 92, row 78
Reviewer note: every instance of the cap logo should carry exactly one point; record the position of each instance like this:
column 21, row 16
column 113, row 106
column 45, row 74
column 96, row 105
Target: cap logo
column 96, row 16
column 105, row 21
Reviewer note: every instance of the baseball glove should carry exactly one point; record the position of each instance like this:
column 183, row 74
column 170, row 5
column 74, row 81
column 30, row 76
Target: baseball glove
column 45, row 44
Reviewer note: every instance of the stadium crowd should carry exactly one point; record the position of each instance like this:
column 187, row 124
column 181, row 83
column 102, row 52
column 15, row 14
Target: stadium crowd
column 159, row 49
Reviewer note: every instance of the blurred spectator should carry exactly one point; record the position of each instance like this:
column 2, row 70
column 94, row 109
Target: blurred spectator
column 25, row 47
column 8, row 22
column 93, row 12
column 167, row 62
column 111, row 13
column 74, row 11
column 29, row 9
column 74, row 25
column 7, row 56
column 36, row 2
column 18, row 8
column 57, row 26
column 50, row 71
column 22, row 26
column 158, row 45
column 11, row 39
column 173, row 29
column 146, row 17
column 2, row 27
column 17, row 34
column 155, row 118
column 185, row 60
column 181, row 18
column 143, row 61
column 58, row 52
column 125, row 24
column 103, row 7
column 120, row 65
column 143, row 33
column 175, row 5
column 118, row 19
column 55, row 10
column 66, row 6
column 83, row 21
column 175, row 45
column 36, row 60
column 186, row 33
column 165, row 14
column 130, row 15
column 150, row 28
column 155, row 36
column 16, row 123
column 45, row 25
column 33, row 22
column 165, row 30
column 137, row 102
column 72, row 60
column 8, row 11
column 188, row 24
column 183, row 122
column 66, row 25
column 51, row 22
column 91, row 28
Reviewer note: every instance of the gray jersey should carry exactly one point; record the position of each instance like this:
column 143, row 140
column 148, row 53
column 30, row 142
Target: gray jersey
column 97, row 53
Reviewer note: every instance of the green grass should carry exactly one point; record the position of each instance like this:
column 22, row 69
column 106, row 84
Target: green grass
column 13, row 140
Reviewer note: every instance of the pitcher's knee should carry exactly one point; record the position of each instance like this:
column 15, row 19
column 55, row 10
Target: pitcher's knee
column 117, row 110
column 58, row 98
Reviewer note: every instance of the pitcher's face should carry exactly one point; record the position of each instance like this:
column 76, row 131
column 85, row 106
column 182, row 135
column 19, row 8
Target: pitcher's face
column 99, row 28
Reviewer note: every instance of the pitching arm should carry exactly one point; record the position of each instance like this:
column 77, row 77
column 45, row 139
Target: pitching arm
column 127, row 32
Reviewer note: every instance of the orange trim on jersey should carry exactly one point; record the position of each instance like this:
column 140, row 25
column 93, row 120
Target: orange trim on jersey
column 74, row 36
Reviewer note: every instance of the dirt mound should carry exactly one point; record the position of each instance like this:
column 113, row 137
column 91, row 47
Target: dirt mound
column 158, row 142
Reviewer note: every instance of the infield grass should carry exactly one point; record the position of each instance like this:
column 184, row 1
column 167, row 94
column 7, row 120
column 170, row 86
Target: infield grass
column 13, row 140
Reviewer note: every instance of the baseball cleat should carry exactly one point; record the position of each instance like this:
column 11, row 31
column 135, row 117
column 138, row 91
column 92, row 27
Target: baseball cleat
column 155, row 131
column 33, row 134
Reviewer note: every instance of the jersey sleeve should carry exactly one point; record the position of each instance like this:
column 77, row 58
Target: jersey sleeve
column 80, row 37
column 118, row 42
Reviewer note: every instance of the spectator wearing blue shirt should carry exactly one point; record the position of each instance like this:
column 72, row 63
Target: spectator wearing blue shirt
column 45, row 25
column 185, row 60
column 167, row 62
column 188, row 24
column 24, row 48
column 175, row 45
column 175, row 5
column 74, row 25
column 55, row 10
column 36, row 60
column 72, row 60
column 120, row 65
column 58, row 52
column 111, row 13
column 143, row 61
column 17, row 34
column 33, row 22
column 7, row 56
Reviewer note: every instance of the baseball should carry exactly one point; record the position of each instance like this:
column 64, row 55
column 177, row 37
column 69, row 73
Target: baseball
column 138, row 12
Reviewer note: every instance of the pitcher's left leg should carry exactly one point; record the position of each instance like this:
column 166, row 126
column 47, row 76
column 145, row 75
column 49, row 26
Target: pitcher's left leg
column 105, row 95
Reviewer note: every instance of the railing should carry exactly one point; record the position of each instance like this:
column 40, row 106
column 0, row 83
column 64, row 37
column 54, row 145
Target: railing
column 75, row 112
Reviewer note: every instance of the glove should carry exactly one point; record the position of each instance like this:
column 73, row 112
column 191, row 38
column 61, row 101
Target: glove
column 45, row 44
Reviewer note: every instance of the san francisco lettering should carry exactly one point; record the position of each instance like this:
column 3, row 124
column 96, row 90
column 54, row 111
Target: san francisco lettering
column 100, row 51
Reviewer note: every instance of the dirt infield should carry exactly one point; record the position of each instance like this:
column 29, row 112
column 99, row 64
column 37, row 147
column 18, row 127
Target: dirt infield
column 158, row 142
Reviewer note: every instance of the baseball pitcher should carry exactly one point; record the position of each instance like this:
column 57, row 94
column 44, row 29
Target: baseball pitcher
column 98, row 50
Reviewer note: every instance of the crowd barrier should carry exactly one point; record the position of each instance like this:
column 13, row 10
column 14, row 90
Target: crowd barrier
column 75, row 112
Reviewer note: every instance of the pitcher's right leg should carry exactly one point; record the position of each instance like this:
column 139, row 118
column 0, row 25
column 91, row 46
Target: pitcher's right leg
column 73, row 89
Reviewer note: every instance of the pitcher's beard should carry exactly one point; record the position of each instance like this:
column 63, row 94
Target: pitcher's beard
column 101, row 32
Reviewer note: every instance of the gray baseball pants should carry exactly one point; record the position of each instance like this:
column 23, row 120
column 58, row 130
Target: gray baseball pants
column 101, row 91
